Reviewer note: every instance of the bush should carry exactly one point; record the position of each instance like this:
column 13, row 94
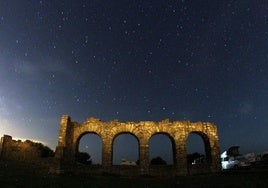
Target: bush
column 83, row 157
column 44, row 151
column 158, row 161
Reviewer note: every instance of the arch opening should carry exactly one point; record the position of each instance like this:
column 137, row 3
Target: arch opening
column 125, row 149
column 89, row 144
column 161, row 149
column 198, row 150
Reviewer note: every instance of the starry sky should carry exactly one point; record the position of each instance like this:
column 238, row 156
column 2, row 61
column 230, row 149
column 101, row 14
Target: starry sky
column 135, row 60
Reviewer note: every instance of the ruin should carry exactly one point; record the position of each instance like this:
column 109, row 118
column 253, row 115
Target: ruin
column 22, row 151
column 71, row 132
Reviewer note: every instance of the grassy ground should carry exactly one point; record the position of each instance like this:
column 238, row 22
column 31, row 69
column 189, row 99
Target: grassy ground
column 12, row 175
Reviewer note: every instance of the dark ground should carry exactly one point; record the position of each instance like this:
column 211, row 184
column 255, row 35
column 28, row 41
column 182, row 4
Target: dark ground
column 12, row 175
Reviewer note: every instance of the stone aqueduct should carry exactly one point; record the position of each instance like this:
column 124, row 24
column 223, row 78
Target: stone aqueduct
column 178, row 131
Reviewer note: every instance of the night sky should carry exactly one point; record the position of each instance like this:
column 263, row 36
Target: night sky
column 135, row 60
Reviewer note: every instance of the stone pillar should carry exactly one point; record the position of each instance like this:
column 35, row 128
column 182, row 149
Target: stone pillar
column 5, row 141
column 59, row 153
column 64, row 153
column 107, row 153
column 181, row 158
column 63, row 130
column 144, row 158
column 215, row 156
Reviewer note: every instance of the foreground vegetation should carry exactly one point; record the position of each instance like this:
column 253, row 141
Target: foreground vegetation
column 14, row 175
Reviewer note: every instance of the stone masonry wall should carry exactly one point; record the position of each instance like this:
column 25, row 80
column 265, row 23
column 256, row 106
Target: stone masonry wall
column 178, row 131
column 18, row 151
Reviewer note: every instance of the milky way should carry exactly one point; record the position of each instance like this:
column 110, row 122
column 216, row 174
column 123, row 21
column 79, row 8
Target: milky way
column 133, row 61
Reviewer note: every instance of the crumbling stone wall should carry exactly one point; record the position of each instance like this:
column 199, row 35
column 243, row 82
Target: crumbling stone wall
column 17, row 150
column 71, row 132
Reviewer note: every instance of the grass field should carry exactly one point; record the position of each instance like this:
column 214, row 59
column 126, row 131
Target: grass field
column 12, row 175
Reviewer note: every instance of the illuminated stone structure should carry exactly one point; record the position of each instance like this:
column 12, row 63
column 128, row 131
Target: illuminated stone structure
column 178, row 131
column 19, row 151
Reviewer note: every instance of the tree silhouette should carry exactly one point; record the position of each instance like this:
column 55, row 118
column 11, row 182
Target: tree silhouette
column 44, row 151
column 83, row 157
column 158, row 161
column 194, row 156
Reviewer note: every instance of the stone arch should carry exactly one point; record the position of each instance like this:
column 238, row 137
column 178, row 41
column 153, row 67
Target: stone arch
column 122, row 133
column 70, row 132
column 77, row 141
column 172, row 141
column 207, row 147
